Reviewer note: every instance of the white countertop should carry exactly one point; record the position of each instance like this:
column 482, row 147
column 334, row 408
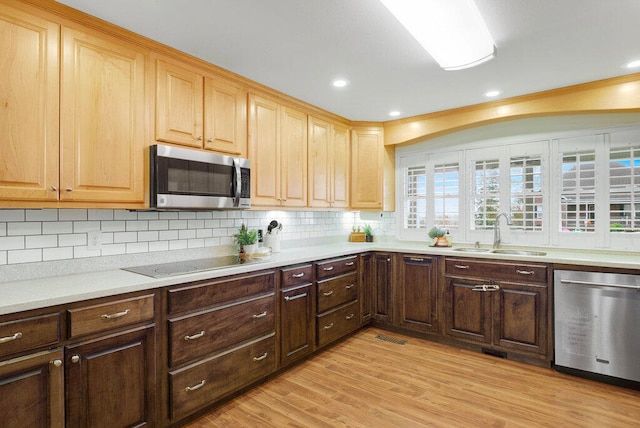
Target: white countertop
column 17, row 296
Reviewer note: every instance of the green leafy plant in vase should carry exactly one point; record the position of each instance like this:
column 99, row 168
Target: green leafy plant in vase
column 247, row 240
column 368, row 233
column 438, row 236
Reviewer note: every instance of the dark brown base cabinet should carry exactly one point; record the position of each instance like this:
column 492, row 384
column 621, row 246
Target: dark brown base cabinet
column 297, row 315
column 417, row 293
column 384, row 285
column 498, row 304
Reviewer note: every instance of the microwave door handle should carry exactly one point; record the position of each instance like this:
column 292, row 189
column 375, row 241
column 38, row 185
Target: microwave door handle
column 238, row 174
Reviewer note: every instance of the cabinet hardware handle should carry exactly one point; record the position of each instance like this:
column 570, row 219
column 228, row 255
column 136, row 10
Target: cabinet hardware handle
column 328, row 326
column 56, row 363
column 261, row 357
column 262, row 315
column 484, row 287
column 525, row 272
column 298, row 296
column 416, row 259
column 350, row 317
column 298, row 275
column 209, row 140
column 349, row 263
column 350, row 286
column 328, row 268
column 194, row 336
column 461, row 266
column 116, row 315
column 198, row 386
column 14, row 336
column 199, row 138
column 69, row 189
column 53, row 188
column 75, row 359
column 389, row 259
column 328, row 293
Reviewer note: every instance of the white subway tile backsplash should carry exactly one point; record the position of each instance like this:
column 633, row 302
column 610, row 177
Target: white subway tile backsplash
column 24, row 256
column 34, row 235
column 24, row 228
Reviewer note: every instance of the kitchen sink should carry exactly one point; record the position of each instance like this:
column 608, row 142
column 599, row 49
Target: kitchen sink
column 519, row 252
column 471, row 249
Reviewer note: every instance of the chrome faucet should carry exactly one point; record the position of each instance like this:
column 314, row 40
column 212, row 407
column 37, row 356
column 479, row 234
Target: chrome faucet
column 496, row 228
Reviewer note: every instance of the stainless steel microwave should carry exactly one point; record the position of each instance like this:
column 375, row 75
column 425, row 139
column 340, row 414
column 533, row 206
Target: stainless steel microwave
column 191, row 179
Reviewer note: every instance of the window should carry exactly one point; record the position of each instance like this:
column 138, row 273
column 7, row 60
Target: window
column 415, row 198
column 486, row 195
column 577, row 193
column 446, row 195
column 624, row 187
column 526, row 193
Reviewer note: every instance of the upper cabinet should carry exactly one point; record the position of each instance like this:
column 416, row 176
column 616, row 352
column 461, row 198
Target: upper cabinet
column 102, row 119
column 367, row 164
column 278, row 153
column 329, row 151
column 73, row 121
column 29, row 107
column 199, row 111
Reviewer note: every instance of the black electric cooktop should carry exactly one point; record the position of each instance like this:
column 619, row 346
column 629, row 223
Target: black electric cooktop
column 163, row 270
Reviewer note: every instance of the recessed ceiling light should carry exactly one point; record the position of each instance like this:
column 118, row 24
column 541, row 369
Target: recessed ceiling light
column 394, row 113
column 491, row 94
column 634, row 64
column 340, row 83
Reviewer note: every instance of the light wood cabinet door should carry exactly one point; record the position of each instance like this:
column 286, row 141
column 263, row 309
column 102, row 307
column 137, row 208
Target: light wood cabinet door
column 225, row 117
column 367, row 169
column 32, row 390
column 319, row 163
column 341, row 149
column 179, row 108
column 29, row 89
column 102, row 119
column 264, row 136
column 293, row 158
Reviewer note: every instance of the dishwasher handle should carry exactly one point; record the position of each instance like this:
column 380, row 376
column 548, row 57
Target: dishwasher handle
column 599, row 284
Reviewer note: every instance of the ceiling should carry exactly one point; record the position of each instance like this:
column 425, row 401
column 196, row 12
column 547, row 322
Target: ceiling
column 299, row 46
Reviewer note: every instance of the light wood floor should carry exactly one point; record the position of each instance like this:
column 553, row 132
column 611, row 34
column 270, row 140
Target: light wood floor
column 367, row 382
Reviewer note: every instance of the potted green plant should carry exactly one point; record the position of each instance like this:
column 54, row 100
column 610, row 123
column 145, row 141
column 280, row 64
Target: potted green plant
column 438, row 236
column 247, row 240
column 368, row 233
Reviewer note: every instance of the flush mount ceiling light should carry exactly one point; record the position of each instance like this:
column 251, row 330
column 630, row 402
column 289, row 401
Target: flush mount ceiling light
column 340, row 83
column 394, row 113
column 452, row 31
column 493, row 93
column 634, row 64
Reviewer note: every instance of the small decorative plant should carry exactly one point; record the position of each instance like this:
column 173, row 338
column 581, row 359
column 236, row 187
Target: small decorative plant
column 436, row 232
column 245, row 237
column 368, row 232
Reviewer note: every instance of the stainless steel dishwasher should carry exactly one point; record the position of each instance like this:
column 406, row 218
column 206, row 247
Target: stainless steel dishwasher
column 597, row 323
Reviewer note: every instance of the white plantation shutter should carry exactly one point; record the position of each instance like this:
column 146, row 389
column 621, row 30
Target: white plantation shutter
column 486, row 193
column 415, row 198
column 526, row 178
column 577, row 202
column 624, row 187
column 446, row 195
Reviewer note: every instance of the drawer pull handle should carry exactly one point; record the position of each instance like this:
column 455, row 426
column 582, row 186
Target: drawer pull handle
column 56, row 363
column 350, row 317
column 261, row 357
column 328, row 326
column 197, row 386
column 15, row 336
column 298, row 275
column 461, row 266
column 485, row 287
column 195, row 336
column 116, row 315
column 297, row 296
column 328, row 268
column 416, row 259
column 328, row 293
column 350, row 263
column 262, row 315
column 350, row 286
column 525, row 272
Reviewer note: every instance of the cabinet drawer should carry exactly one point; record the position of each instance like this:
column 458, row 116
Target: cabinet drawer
column 295, row 275
column 204, row 333
column 202, row 384
column 496, row 270
column 335, row 324
column 210, row 293
column 337, row 291
column 29, row 333
column 336, row 267
column 119, row 313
